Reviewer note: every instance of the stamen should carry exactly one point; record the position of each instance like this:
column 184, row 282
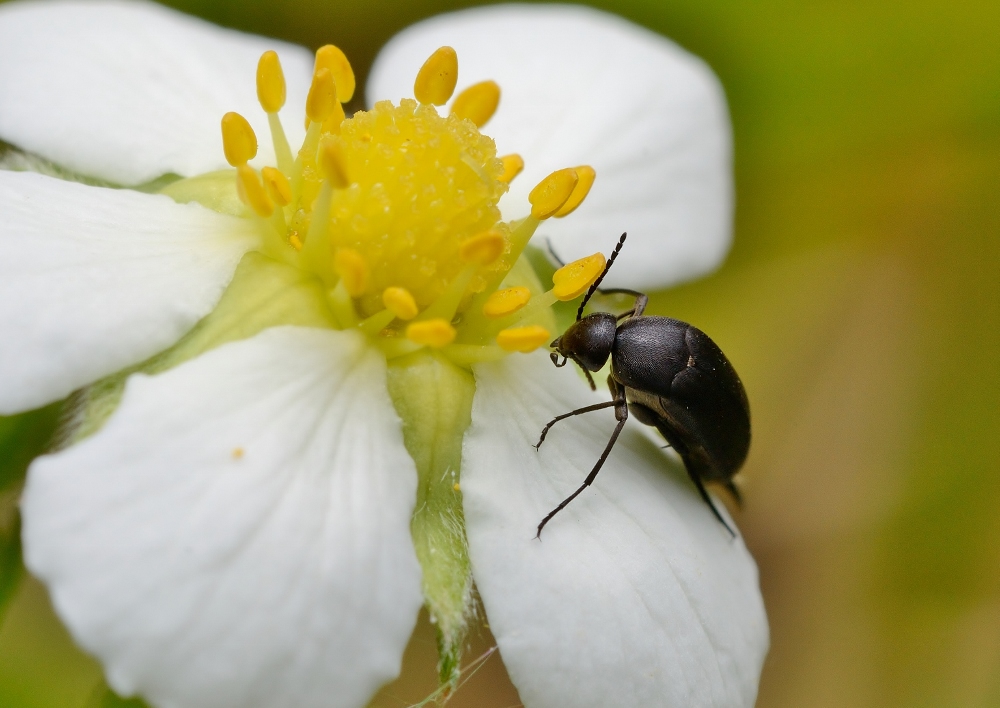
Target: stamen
column 377, row 322
column 322, row 96
column 277, row 186
column 251, row 191
column 331, row 58
column 353, row 271
column 333, row 167
column 303, row 189
column 574, row 278
column 270, row 83
column 333, row 163
column 334, row 120
column 437, row 77
column 280, row 192
column 512, row 166
column 483, row 248
column 238, row 139
column 478, row 103
column 520, row 233
column 523, row 339
column 586, row 176
column 552, row 192
column 342, row 305
column 400, row 302
column 282, row 150
column 271, row 95
column 431, row 333
column 448, row 301
column 506, row 302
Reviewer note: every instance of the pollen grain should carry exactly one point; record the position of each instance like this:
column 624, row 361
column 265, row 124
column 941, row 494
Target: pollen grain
column 270, row 82
column 436, row 79
column 523, row 339
column 435, row 333
column 506, row 302
column 551, row 193
column 477, row 103
column 573, row 279
column 239, row 142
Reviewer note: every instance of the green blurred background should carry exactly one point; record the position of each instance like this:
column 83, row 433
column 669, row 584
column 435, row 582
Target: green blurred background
column 860, row 304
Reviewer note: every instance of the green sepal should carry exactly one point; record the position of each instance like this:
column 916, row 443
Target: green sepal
column 16, row 160
column 11, row 564
column 434, row 399
column 104, row 697
column 215, row 190
column 262, row 294
column 22, row 438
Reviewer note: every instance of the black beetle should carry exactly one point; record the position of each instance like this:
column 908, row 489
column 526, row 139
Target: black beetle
column 671, row 376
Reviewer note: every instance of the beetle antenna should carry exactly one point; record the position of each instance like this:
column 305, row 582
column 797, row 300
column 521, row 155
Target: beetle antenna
column 593, row 288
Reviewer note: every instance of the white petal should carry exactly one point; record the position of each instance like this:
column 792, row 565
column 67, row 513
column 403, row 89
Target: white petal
column 585, row 87
column 636, row 595
column 93, row 280
column 279, row 575
column 129, row 91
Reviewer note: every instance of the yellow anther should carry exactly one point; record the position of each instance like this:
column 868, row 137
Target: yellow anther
column 552, row 192
column 437, row 77
column 512, row 166
column 353, row 271
column 295, row 242
column 333, row 163
column 586, row 176
column 270, row 83
column 252, row 192
column 506, row 302
column 322, row 96
column 239, row 142
column 330, row 57
column 400, row 302
column 478, row 103
column 483, row 248
column 574, row 278
column 431, row 333
column 277, row 186
column 523, row 339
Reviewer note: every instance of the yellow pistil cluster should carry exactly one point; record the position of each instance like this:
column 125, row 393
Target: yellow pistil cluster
column 395, row 210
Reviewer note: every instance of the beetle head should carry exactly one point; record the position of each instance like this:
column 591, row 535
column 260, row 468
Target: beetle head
column 588, row 341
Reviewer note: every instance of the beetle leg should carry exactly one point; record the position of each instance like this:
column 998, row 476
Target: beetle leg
column 734, row 490
column 551, row 253
column 617, row 400
column 708, row 500
column 621, row 413
column 578, row 411
column 641, row 300
column 553, row 356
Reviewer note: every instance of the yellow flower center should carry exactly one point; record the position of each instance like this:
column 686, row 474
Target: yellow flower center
column 395, row 210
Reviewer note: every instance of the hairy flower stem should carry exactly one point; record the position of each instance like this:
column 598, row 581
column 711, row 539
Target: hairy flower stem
column 434, row 399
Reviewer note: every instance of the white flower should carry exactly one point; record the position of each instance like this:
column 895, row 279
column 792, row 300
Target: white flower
column 238, row 532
